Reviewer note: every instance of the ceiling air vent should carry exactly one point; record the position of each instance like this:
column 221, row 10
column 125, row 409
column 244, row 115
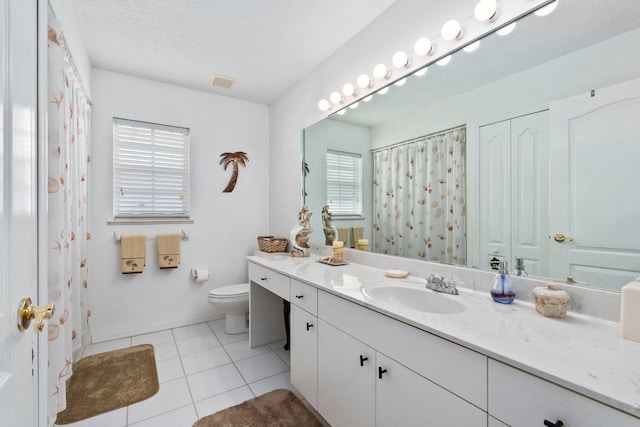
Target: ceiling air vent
column 222, row 81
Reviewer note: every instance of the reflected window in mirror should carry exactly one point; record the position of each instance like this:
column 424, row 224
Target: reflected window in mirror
column 344, row 183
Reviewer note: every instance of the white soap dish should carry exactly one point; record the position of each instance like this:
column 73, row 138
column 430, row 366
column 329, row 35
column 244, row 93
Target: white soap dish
column 396, row 274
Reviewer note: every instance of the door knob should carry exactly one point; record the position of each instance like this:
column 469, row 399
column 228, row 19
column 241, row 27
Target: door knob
column 27, row 312
column 562, row 238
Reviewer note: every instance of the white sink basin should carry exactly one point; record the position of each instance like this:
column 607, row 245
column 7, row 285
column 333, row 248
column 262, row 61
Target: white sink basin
column 400, row 294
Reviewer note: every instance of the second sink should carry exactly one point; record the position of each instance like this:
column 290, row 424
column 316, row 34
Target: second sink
column 411, row 295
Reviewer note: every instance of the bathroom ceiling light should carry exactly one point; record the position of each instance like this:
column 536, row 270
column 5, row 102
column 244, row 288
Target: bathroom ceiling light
column 335, row 98
column 444, row 61
column 472, row 47
column 486, row 10
column 324, row 105
column 383, row 91
column 423, row 47
column 349, row 90
column 421, row 72
column 544, row 11
column 401, row 82
column 381, row 71
column 367, row 99
column 341, row 112
column 364, row 81
column 507, row 30
column 354, row 105
column 400, row 60
column 451, row 30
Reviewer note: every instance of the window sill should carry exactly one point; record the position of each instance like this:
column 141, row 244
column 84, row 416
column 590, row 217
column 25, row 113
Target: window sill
column 136, row 221
column 348, row 217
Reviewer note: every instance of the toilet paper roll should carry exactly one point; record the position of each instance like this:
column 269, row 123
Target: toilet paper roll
column 200, row 275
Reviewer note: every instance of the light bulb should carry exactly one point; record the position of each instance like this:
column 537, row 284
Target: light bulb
column 335, row 98
column 547, row 9
column 367, row 99
column 444, row 61
column 401, row 82
column 364, row 81
column 341, row 112
column 507, row 30
column 451, row 30
column 421, row 72
column 400, row 60
column 381, row 71
column 349, row 90
column 423, row 47
column 354, row 105
column 486, row 10
column 324, row 105
column 472, row 47
column 383, row 91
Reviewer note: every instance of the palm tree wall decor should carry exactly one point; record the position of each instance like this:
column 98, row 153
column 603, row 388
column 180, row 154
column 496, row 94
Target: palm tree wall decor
column 235, row 158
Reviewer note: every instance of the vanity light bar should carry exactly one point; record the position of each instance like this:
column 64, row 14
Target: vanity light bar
column 487, row 18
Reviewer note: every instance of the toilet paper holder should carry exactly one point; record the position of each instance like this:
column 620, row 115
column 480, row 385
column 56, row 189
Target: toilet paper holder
column 199, row 275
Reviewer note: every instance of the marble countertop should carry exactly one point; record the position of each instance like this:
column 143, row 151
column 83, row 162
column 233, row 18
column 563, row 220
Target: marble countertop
column 584, row 354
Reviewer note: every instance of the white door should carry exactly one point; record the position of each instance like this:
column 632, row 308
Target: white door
column 594, row 176
column 18, row 211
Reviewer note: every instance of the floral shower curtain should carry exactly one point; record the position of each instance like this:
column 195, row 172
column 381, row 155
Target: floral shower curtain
column 67, row 211
column 419, row 208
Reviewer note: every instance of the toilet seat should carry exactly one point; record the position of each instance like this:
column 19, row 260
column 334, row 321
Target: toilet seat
column 230, row 291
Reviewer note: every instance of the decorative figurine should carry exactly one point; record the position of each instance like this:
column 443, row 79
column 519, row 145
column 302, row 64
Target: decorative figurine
column 235, row 158
column 330, row 230
column 300, row 233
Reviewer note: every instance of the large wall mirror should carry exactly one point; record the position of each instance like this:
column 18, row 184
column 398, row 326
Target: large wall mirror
column 538, row 136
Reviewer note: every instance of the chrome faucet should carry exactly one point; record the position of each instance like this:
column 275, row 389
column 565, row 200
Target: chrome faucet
column 520, row 271
column 438, row 284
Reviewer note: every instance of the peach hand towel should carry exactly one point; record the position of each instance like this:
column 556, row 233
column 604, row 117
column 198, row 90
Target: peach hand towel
column 133, row 253
column 169, row 250
column 343, row 236
column 357, row 233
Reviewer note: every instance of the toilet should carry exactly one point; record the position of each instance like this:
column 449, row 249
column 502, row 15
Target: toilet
column 233, row 300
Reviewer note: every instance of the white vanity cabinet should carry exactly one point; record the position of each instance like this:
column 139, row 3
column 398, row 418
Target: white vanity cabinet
column 346, row 378
column 304, row 340
column 267, row 289
column 359, row 383
column 523, row 400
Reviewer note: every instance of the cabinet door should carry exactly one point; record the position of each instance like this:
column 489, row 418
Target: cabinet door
column 520, row 399
column 404, row 398
column 304, row 354
column 346, row 379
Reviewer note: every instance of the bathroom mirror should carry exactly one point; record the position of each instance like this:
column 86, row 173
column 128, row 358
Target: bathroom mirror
column 580, row 47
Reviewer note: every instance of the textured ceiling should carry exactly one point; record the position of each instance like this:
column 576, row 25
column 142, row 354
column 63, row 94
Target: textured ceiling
column 267, row 45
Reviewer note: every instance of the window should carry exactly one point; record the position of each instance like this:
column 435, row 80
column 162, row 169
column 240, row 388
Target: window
column 344, row 183
column 150, row 170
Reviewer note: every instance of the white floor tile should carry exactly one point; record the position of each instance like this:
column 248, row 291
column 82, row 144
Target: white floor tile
column 154, row 338
column 284, row 355
column 197, row 343
column 191, row 331
column 106, row 346
column 214, row 381
column 115, row 418
column 169, row 369
column 165, row 351
column 172, row 395
column 278, row 345
column 275, row 382
column 181, row 417
column 222, row 401
column 205, row 359
column 241, row 350
column 216, row 325
column 225, row 338
column 261, row 366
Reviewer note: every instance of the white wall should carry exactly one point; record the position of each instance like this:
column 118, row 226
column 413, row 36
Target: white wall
column 225, row 224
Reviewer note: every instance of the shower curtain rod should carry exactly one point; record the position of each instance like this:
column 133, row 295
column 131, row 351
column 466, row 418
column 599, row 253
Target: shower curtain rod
column 416, row 139
column 69, row 59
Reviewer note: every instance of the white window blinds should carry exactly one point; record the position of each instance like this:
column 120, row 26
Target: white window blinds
column 150, row 170
column 344, row 183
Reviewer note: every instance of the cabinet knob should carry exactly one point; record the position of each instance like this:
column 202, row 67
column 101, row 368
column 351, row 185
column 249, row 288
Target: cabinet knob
column 558, row 423
column 381, row 371
column 299, row 296
column 362, row 360
column 263, row 278
column 309, row 325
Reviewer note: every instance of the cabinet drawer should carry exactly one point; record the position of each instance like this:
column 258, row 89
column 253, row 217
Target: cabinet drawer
column 304, row 296
column 520, row 399
column 451, row 366
column 270, row 280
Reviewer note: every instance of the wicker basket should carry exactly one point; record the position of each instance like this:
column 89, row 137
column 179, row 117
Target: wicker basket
column 272, row 244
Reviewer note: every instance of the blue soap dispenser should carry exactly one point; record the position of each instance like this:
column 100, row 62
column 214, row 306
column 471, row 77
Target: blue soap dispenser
column 502, row 291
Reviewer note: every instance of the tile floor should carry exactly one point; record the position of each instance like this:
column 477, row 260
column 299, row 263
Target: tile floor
column 201, row 370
